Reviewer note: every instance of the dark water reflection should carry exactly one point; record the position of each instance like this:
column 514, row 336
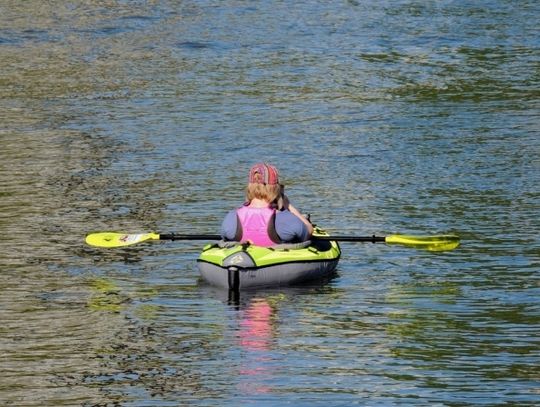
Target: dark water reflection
column 384, row 117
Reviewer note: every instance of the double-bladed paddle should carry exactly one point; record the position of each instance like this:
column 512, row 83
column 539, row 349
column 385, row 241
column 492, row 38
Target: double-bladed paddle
column 432, row 243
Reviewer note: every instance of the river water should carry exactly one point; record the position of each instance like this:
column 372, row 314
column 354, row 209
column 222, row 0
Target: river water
column 383, row 117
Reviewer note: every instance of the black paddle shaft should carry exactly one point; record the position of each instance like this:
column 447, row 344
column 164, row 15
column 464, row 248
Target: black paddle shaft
column 372, row 239
column 175, row 236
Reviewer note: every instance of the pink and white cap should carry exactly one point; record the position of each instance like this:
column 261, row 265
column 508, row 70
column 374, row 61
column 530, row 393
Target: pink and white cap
column 263, row 173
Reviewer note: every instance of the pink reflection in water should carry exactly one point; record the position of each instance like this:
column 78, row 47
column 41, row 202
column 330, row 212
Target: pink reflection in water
column 256, row 326
column 255, row 337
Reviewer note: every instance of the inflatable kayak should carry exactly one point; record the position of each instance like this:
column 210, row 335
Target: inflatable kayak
column 243, row 266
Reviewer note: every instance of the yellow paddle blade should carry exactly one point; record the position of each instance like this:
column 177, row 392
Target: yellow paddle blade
column 437, row 243
column 111, row 239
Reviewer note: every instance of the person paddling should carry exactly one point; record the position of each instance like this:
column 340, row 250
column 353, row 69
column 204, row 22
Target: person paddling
column 267, row 217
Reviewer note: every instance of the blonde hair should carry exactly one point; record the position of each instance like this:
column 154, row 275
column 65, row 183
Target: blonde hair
column 268, row 192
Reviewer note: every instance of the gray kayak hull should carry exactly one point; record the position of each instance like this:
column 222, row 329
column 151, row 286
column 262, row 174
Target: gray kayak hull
column 287, row 274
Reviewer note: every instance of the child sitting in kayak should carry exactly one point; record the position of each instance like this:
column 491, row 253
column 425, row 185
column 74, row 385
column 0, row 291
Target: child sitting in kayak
column 267, row 217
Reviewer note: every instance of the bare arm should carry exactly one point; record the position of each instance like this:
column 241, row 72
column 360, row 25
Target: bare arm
column 297, row 213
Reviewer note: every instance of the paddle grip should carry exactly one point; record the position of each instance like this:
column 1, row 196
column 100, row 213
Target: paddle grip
column 372, row 239
column 175, row 236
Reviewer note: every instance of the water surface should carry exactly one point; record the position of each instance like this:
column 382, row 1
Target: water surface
column 383, row 117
